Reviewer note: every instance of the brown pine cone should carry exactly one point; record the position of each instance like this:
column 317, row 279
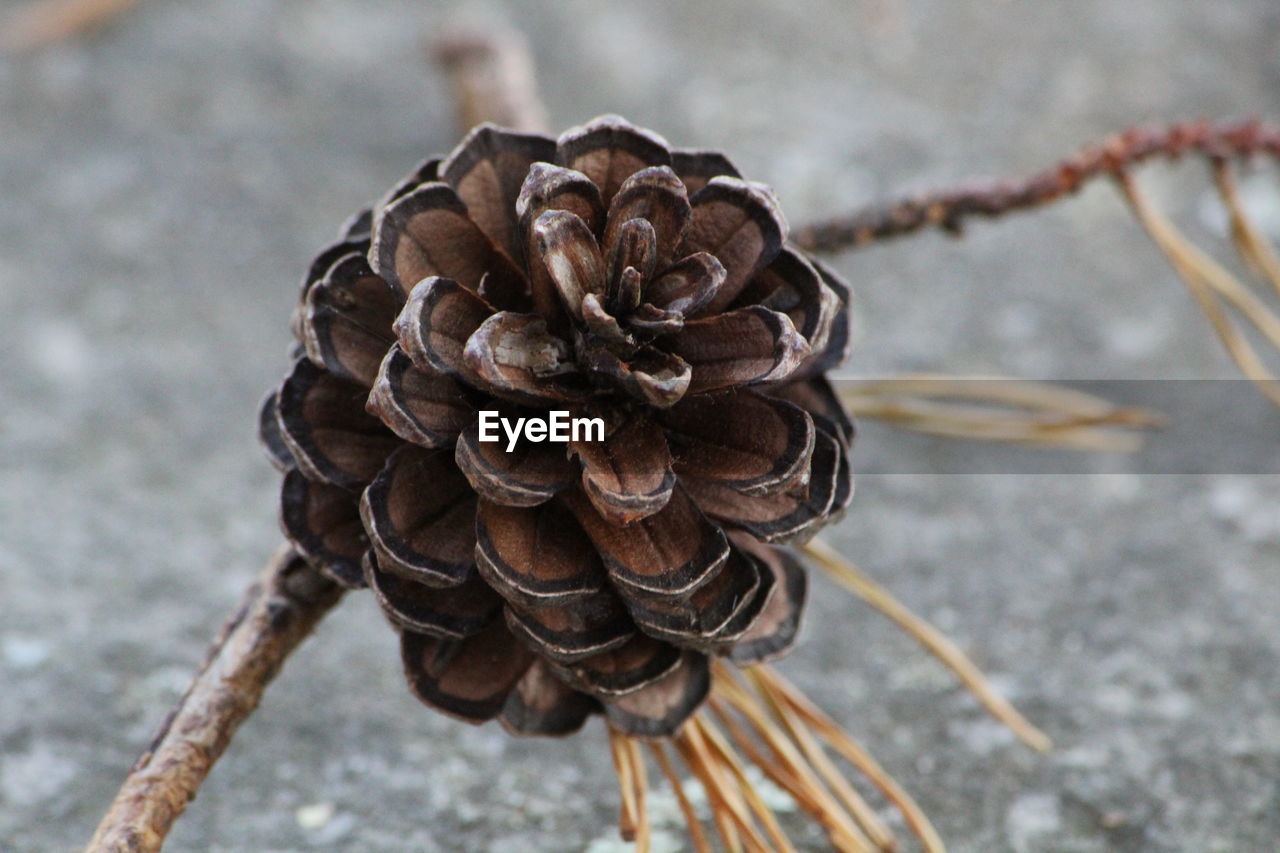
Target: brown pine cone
column 608, row 277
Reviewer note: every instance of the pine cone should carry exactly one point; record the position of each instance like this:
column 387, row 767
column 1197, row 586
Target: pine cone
column 603, row 275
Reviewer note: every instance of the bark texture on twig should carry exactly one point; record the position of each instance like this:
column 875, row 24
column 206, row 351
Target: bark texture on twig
column 949, row 209
column 493, row 79
column 277, row 613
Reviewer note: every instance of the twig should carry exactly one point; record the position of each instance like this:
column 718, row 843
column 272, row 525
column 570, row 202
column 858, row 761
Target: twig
column 493, row 78
column 44, row 22
column 277, row 613
column 493, row 81
column 949, row 209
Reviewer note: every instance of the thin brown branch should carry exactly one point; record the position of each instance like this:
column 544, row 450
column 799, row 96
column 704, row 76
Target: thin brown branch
column 278, row 612
column 493, row 78
column 950, row 209
column 44, row 22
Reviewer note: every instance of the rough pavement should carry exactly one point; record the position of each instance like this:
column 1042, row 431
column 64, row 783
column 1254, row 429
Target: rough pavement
column 165, row 183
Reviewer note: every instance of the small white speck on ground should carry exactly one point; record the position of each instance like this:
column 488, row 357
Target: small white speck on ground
column 314, row 816
column 1032, row 820
column 34, row 776
column 23, row 652
column 1261, row 201
column 60, row 351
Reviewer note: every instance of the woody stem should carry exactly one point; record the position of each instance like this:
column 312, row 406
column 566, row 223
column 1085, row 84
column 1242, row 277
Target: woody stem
column 278, row 612
column 950, row 209
column 493, row 79
column 492, row 76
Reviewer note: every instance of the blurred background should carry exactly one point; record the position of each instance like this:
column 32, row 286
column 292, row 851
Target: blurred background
column 165, row 180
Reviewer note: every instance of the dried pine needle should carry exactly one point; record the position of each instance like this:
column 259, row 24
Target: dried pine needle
column 755, row 802
column 848, row 575
column 1252, row 245
column 757, row 716
column 875, row 829
column 778, row 773
column 696, row 835
column 853, row 752
column 1207, row 279
column 641, row 781
column 1222, row 281
column 720, row 817
column 788, row 768
column 727, row 807
column 1007, row 410
column 1036, row 395
column 627, row 817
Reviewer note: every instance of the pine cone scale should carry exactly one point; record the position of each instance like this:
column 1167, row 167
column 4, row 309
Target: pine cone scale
column 428, row 409
column 672, row 552
column 346, row 325
column 436, row 323
column 514, row 357
column 655, row 196
column 542, row 704
column 427, row 232
column 632, row 666
column 324, row 525
column 536, row 556
column 418, row 513
column 714, row 615
column 469, row 679
column 748, row 346
column 629, row 475
column 451, row 613
column 530, row 475
column 321, row 419
column 487, row 170
column 566, row 633
column 660, row 709
column 774, row 630
column 745, row 441
column 609, row 150
column 741, row 224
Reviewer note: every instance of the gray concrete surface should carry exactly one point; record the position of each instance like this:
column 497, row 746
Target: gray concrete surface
column 164, row 183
